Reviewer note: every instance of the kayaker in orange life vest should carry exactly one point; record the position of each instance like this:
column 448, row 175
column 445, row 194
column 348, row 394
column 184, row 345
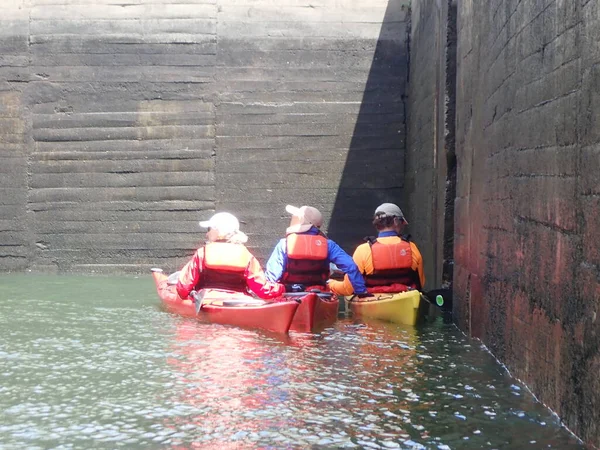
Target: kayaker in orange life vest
column 303, row 256
column 390, row 262
column 225, row 263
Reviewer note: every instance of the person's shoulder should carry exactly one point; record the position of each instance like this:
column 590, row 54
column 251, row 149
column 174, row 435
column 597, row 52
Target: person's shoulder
column 369, row 240
column 362, row 251
column 332, row 243
column 244, row 252
column 414, row 245
column 334, row 248
column 365, row 244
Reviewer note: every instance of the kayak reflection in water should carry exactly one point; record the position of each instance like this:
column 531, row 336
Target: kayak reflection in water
column 224, row 263
column 231, row 381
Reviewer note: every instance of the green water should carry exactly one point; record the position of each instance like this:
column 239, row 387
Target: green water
column 91, row 362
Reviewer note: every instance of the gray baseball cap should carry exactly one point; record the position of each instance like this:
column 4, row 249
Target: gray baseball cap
column 390, row 210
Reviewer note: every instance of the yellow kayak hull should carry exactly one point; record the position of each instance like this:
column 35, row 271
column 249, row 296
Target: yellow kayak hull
column 400, row 308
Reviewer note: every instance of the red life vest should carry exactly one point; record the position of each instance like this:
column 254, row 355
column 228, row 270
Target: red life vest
column 224, row 267
column 307, row 260
column 392, row 265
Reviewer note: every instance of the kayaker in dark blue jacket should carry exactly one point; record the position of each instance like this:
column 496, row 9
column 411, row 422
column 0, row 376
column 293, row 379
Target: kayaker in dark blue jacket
column 303, row 256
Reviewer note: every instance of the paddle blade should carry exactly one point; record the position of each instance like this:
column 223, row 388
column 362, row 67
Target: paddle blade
column 198, row 298
column 173, row 278
column 335, row 273
column 442, row 298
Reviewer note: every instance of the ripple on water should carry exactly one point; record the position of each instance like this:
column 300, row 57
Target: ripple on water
column 109, row 370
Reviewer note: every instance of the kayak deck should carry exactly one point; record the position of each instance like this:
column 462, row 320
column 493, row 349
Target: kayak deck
column 229, row 308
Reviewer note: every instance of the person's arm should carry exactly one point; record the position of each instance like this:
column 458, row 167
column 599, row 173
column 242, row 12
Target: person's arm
column 190, row 274
column 276, row 263
column 257, row 282
column 360, row 258
column 347, row 265
column 417, row 263
column 341, row 287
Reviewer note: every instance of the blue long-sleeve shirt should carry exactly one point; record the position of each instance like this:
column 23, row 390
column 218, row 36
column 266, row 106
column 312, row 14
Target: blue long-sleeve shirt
column 335, row 254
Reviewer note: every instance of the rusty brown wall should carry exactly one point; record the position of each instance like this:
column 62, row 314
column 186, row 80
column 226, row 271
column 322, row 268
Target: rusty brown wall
column 527, row 274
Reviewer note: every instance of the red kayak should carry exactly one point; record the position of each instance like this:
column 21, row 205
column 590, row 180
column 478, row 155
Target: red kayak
column 230, row 308
column 316, row 311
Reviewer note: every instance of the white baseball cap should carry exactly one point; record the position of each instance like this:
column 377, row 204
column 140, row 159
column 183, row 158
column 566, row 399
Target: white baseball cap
column 227, row 225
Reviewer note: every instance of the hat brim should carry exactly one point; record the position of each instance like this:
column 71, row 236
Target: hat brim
column 205, row 224
column 300, row 228
column 384, row 214
column 294, row 211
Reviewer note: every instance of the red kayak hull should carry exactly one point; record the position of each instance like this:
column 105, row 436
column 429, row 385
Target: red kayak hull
column 273, row 316
column 315, row 313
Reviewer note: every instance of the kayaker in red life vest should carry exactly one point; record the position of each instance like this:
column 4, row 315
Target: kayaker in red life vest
column 225, row 263
column 390, row 262
column 303, row 256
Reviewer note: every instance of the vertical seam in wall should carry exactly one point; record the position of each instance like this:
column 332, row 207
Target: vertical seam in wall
column 579, row 396
column 29, row 146
column 449, row 143
column 408, row 47
column 579, row 216
column 216, row 100
column 435, row 141
column 468, row 301
column 405, row 98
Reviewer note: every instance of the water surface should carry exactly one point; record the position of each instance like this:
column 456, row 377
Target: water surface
column 92, row 362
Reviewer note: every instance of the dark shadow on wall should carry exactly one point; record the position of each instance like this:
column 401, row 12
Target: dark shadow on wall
column 450, row 144
column 374, row 168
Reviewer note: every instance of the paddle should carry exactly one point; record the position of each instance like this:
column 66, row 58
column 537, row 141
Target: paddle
column 198, row 298
column 323, row 295
column 172, row 279
column 243, row 302
column 335, row 273
column 442, row 298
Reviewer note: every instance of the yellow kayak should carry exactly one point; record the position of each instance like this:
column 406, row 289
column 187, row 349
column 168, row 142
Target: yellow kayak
column 401, row 308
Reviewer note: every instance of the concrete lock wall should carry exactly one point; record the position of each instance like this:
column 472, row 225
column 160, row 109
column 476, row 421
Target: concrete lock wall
column 124, row 123
column 527, row 257
column 430, row 173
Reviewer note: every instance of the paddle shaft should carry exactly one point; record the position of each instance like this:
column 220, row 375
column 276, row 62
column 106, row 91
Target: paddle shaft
column 323, row 295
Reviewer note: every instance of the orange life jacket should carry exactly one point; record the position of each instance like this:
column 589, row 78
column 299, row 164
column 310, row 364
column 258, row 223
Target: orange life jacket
column 392, row 264
column 224, row 266
column 307, row 260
